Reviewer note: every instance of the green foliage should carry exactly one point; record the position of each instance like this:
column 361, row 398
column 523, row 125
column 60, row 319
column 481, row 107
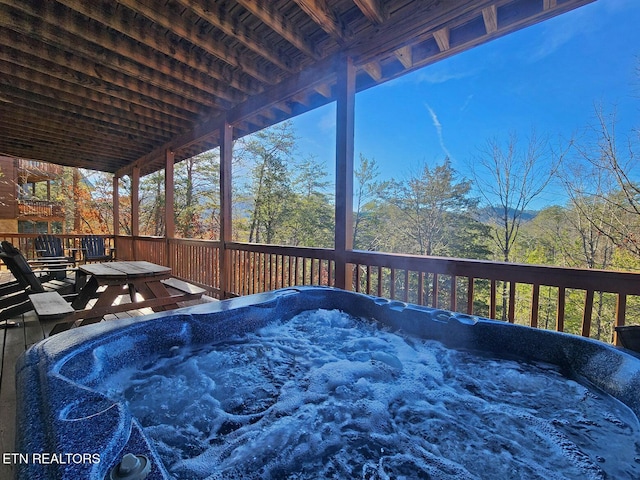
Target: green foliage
column 433, row 213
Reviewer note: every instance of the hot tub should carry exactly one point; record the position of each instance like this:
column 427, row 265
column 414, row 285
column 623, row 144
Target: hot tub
column 73, row 420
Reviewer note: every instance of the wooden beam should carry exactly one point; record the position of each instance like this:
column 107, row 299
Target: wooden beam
column 490, row 17
column 321, row 14
column 404, row 54
column 549, row 4
column 372, row 9
column 442, row 38
column 345, row 118
column 269, row 15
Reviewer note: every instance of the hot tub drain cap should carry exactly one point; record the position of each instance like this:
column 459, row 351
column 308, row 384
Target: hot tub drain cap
column 131, row 467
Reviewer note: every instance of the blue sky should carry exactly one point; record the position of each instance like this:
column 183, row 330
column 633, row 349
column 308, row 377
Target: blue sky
column 547, row 77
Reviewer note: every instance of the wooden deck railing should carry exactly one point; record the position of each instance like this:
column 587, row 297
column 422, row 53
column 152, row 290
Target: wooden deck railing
column 584, row 302
column 257, row 268
column 39, row 208
column 71, row 243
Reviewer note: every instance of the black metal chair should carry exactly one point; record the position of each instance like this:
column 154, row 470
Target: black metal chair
column 94, row 249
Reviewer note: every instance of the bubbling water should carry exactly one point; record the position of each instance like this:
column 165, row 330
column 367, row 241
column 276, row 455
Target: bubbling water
column 326, row 395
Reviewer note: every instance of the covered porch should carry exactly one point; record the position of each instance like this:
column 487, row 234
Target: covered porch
column 131, row 88
column 146, row 88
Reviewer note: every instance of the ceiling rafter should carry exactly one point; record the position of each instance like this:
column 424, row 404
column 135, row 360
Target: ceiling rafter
column 442, row 39
column 80, row 70
column 322, row 14
column 137, row 30
column 180, row 27
column 490, row 18
column 373, row 10
column 220, row 19
column 405, row 56
column 47, row 29
column 267, row 13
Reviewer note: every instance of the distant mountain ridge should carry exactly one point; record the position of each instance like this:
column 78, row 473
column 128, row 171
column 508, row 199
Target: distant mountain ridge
column 487, row 213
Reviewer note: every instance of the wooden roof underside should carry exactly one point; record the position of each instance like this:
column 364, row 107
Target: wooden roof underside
column 106, row 84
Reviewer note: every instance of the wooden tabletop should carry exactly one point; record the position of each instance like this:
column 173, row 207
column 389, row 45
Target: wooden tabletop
column 124, row 269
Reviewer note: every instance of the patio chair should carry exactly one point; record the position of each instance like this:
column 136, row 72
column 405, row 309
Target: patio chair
column 50, row 248
column 27, row 282
column 94, row 250
column 13, row 302
column 38, row 280
column 14, row 295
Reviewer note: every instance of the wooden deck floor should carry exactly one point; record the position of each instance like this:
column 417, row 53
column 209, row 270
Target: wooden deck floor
column 13, row 342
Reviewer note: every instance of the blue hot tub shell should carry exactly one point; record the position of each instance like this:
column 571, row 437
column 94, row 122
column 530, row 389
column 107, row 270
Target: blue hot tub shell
column 59, row 413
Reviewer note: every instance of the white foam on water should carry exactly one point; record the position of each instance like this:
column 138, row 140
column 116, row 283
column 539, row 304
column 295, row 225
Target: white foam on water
column 326, row 395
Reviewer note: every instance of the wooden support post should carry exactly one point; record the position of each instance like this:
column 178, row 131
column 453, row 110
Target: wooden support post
column 226, row 155
column 135, row 208
column 169, row 217
column 116, row 206
column 345, row 116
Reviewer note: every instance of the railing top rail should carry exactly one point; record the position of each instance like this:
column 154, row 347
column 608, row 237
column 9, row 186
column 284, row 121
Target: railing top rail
column 309, row 252
column 192, row 241
column 583, row 279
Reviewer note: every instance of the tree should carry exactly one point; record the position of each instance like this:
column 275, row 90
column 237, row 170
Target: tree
column 609, row 176
column 434, row 212
column 310, row 218
column 197, row 196
column 268, row 152
column 509, row 179
column 365, row 219
column 152, row 204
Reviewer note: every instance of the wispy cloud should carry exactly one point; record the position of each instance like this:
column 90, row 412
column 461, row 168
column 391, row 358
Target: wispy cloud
column 563, row 29
column 438, row 127
column 327, row 122
column 442, row 75
column 466, row 102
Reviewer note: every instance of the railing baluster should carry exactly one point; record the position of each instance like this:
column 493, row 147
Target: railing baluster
column 588, row 312
column 379, row 281
column 621, row 309
column 535, row 304
column 492, row 300
column 470, row 292
column 392, row 284
column 511, row 316
column 453, row 287
column 434, row 291
column 420, row 288
column 368, row 279
column 406, row 285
